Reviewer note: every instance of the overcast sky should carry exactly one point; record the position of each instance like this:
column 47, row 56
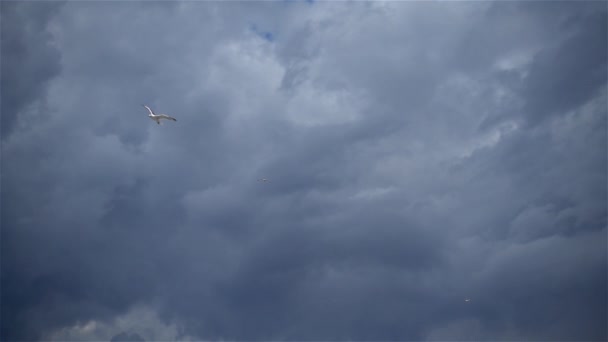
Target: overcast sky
column 436, row 170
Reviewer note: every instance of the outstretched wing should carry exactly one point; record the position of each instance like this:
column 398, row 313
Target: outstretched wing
column 149, row 110
column 165, row 116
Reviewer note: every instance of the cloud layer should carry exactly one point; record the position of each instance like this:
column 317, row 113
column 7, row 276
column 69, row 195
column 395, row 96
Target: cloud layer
column 417, row 155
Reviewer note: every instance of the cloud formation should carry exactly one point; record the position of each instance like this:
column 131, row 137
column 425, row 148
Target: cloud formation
column 417, row 154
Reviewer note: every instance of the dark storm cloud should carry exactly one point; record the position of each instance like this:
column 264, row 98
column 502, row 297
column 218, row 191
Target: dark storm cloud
column 124, row 337
column 29, row 60
column 402, row 176
column 568, row 75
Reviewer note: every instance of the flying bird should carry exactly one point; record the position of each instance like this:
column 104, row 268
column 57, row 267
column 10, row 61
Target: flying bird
column 263, row 180
column 157, row 117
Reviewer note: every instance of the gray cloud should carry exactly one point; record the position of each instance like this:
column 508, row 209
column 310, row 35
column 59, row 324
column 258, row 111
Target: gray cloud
column 417, row 154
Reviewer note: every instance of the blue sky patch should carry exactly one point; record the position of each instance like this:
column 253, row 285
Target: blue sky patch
column 266, row 35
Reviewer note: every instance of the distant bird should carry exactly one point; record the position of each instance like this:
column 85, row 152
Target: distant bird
column 263, row 180
column 467, row 300
column 157, row 117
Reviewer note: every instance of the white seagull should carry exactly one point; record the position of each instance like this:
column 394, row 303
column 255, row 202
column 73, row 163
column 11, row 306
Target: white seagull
column 157, row 117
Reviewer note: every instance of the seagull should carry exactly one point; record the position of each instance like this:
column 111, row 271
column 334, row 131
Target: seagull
column 157, row 117
column 467, row 300
column 263, row 180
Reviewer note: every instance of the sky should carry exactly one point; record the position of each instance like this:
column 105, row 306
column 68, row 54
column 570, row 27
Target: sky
column 435, row 171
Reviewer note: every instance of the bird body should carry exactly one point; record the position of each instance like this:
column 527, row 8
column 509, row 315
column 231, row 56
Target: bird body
column 157, row 117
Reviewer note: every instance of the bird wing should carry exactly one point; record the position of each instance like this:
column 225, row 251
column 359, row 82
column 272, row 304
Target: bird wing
column 165, row 116
column 149, row 110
